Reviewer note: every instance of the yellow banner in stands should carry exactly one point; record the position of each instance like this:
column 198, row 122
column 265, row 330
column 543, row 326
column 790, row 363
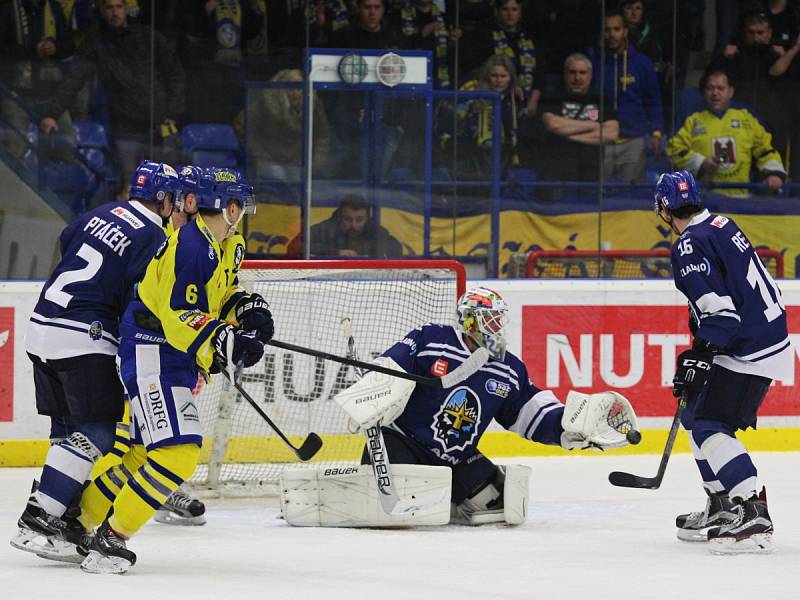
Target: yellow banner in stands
column 274, row 225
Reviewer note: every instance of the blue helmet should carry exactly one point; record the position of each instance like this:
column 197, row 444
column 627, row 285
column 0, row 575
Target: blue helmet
column 152, row 182
column 196, row 180
column 675, row 190
column 230, row 184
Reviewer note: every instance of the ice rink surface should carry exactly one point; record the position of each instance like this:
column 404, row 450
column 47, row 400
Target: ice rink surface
column 583, row 539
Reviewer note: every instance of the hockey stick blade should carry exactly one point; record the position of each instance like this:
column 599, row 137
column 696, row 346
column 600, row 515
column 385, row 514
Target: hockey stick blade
column 620, row 479
column 629, row 480
column 310, row 446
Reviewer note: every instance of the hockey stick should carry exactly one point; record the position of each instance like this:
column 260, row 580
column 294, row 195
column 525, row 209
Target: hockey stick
column 476, row 360
column 621, row 479
column 310, row 446
column 376, row 446
column 390, row 500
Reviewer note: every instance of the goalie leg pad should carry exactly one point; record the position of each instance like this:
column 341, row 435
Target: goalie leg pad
column 348, row 497
column 513, row 485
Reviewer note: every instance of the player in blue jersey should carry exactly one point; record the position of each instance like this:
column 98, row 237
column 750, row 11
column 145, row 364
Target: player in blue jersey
column 741, row 343
column 189, row 316
column 72, row 340
column 430, row 426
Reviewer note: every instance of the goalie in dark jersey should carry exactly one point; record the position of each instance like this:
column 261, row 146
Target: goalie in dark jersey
column 741, row 344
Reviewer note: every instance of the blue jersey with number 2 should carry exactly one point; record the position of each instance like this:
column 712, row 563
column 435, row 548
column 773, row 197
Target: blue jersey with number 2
column 103, row 254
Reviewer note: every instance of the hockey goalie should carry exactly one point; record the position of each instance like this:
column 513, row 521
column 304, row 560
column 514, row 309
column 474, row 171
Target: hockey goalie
column 421, row 464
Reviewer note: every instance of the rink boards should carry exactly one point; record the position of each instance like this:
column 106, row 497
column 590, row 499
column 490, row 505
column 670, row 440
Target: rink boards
column 583, row 335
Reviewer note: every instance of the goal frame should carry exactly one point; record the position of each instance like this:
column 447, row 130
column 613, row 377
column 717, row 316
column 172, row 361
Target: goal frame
column 533, row 257
column 220, row 427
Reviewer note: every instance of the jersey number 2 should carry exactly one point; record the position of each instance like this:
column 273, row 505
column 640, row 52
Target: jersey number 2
column 94, row 260
column 763, row 281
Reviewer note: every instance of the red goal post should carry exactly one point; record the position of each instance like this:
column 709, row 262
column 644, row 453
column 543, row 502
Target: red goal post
column 383, row 299
column 618, row 264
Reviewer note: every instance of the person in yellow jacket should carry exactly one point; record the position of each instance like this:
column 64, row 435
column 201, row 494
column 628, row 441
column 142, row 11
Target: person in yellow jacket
column 190, row 316
column 720, row 144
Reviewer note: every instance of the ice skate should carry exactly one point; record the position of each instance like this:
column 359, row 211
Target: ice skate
column 108, row 553
column 181, row 509
column 751, row 533
column 46, row 535
column 720, row 510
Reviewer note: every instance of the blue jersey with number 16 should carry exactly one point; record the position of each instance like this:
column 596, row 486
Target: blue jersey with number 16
column 103, row 254
column 737, row 304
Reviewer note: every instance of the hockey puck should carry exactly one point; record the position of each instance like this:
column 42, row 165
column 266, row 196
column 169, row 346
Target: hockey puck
column 633, row 437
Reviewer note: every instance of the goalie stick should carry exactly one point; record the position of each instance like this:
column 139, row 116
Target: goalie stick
column 390, row 500
column 310, row 446
column 467, row 368
column 621, row 479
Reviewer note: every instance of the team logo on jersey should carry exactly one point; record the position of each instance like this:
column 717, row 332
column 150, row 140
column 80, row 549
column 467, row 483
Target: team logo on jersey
column 455, row 426
column 719, row 222
column 498, row 388
column 724, row 149
column 735, row 123
column 238, row 256
column 128, row 217
column 439, row 368
column 96, row 330
column 189, row 411
column 211, row 253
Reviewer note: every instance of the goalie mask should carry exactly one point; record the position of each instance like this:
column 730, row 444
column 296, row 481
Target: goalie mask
column 482, row 316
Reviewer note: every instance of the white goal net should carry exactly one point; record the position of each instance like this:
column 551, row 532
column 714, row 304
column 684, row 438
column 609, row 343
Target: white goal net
column 309, row 299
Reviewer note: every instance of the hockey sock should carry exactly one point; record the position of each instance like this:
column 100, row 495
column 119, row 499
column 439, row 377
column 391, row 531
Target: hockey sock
column 710, row 481
column 104, row 488
column 122, row 443
column 728, row 458
column 66, row 468
column 150, row 486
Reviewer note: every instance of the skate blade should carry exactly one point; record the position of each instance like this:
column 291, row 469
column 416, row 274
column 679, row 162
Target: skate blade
column 760, row 543
column 693, row 535
column 31, row 541
column 170, row 518
column 104, row 565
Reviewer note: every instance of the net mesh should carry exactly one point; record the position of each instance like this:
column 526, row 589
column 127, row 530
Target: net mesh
column 605, row 264
column 383, row 301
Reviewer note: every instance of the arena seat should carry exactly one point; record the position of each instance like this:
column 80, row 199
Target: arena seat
column 211, row 144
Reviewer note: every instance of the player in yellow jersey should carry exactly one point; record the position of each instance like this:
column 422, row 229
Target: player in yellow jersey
column 178, row 326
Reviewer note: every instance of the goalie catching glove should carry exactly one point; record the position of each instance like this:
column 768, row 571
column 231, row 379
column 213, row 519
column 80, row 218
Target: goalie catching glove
column 253, row 314
column 376, row 397
column 235, row 348
column 596, row 421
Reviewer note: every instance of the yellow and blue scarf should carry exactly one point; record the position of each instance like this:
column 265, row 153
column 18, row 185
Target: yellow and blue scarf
column 408, row 26
column 524, row 57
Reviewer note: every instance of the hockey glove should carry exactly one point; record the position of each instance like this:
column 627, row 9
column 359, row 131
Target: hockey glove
column 235, row 347
column 692, row 373
column 252, row 313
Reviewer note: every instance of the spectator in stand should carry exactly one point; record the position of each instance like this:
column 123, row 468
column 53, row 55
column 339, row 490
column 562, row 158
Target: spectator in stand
column 422, row 27
column 34, row 43
column 506, row 36
column 329, row 17
column 729, row 14
column 368, row 31
column 563, row 27
column 351, row 231
column 119, row 54
column 632, row 90
column 720, row 144
column 784, row 17
column 753, row 70
column 645, row 37
column 574, row 129
column 275, row 124
column 497, row 75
